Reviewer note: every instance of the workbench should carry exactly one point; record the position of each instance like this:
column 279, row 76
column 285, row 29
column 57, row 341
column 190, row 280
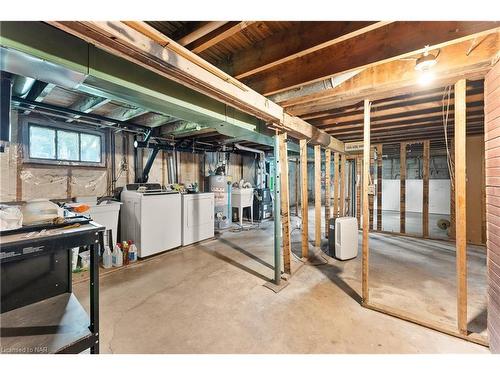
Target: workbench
column 40, row 314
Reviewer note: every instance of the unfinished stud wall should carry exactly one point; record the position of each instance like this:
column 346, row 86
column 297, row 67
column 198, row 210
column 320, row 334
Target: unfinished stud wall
column 492, row 161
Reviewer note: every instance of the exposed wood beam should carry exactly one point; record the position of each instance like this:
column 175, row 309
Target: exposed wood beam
column 301, row 39
column 304, row 198
column 460, row 206
column 88, row 104
column 285, row 204
column 317, row 196
column 394, row 41
column 145, row 46
column 342, row 185
column 399, row 77
column 201, row 31
column 366, row 173
column 379, row 148
column 328, row 155
column 402, row 188
column 425, row 188
column 393, row 106
column 218, row 35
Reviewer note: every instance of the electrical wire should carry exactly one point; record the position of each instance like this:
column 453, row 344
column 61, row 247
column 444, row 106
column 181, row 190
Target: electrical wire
column 445, row 115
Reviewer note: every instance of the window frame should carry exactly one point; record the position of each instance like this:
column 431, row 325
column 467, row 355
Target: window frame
column 75, row 128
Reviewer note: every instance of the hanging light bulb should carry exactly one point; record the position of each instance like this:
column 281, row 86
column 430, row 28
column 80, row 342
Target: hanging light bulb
column 424, row 64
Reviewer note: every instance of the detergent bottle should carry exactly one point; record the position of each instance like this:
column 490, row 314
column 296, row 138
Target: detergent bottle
column 132, row 251
column 107, row 257
column 117, row 257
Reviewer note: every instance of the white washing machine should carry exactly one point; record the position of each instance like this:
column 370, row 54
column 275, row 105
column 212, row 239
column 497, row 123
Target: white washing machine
column 151, row 217
column 197, row 217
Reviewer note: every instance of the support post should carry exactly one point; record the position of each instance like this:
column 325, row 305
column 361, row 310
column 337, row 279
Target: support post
column 366, row 213
column 328, row 154
column 402, row 188
column 297, row 184
column 425, row 193
column 317, row 195
column 285, row 203
column 371, row 196
column 460, row 204
column 305, row 201
column 336, row 185
column 342, row 184
column 379, row 186
column 277, row 211
column 359, row 181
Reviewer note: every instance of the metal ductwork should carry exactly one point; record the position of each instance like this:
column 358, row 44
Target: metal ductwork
column 262, row 157
column 5, row 96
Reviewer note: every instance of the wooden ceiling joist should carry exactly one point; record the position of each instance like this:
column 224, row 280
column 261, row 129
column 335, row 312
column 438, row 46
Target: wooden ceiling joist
column 148, row 48
column 204, row 29
column 399, row 77
column 303, row 38
column 218, row 35
column 393, row 41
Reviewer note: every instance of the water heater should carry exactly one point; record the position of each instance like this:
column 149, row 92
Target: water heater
column 220, row 186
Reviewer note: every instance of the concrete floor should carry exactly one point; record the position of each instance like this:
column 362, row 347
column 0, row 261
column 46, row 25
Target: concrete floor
column 209, row 298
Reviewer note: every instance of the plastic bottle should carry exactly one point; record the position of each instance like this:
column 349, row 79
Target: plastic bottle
column 107, row 257
column 117, row 257
column 125, row 252
column 132, row 251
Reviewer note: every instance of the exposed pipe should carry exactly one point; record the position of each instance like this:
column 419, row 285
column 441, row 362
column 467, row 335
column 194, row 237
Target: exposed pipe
column 262, row 157
column 5, row 96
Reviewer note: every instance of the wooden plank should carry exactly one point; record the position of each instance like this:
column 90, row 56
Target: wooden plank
column 285, row 204
column 218, row 35
column 143, row 45
column 379, row 186
column 327, row 190
column 297, row 186
column 317, row 195
column 460, row 205
column 366, row 172
column 359, row 179
column 371, row 196
column 302, row 38
column 342, row 185
column 336, row 185
column 304, row 198
column 402, row 188
column 201, row 31
column 425, row 197
column 396, row 40
column 437, row 326
column 399, row 77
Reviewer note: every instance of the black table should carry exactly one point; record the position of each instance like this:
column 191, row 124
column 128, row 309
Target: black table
column 40, row 314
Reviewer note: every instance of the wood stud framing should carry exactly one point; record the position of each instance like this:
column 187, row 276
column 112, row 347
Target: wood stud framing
column 366, row 172
column 317, row 195
column 379, row 187
column 402, row 188
column 285, row 203
column 327, row 190
column 336, row 184
column 304, row 198
column 425, row 186
column 342, row 185
column 460, row 205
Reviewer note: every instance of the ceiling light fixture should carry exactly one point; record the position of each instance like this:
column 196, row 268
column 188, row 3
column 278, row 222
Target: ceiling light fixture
column 424, row 64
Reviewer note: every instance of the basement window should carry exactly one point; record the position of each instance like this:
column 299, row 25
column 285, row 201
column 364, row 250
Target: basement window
column 62, row 144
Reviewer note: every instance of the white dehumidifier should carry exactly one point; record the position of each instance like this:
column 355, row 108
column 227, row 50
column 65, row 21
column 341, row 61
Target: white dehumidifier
column 346, row 238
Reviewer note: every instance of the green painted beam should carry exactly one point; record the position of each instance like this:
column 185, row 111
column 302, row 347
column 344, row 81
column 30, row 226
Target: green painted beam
column 109, row 76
